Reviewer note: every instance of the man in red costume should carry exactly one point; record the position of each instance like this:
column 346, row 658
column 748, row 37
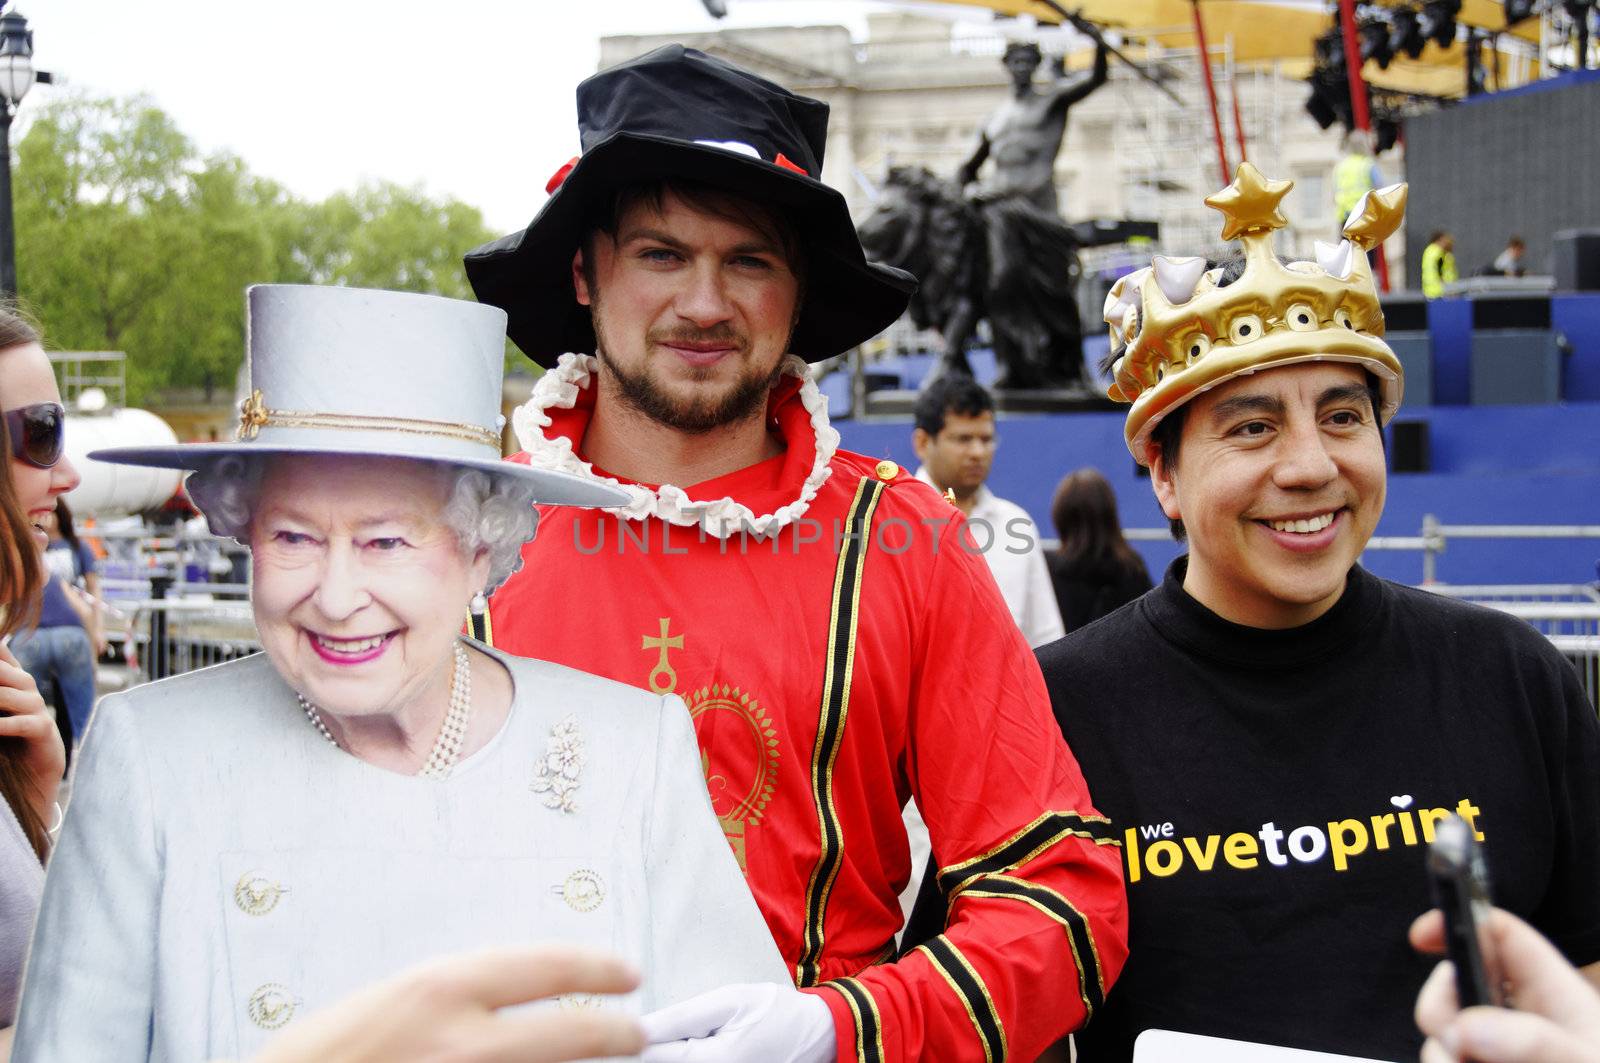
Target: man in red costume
column 834, row 631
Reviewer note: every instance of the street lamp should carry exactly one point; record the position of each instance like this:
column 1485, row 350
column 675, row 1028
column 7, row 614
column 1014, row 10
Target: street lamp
column 16, row 78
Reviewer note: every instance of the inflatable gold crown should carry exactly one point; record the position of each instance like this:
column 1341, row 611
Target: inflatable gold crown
column 1178, row 332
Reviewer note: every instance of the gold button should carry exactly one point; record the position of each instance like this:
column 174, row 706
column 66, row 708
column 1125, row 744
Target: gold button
column 583, row 891
column 255, row 894
column 271, row 1006
column 887, row 470
column 950, row 495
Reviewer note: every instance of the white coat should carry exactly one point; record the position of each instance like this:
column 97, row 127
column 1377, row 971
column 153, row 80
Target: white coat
column 223, row 869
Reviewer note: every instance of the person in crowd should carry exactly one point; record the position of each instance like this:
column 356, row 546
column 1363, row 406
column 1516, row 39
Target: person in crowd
column 841, row 644
column 259, row 839
column 1094, row 570
column 74, row 561
column 1554, row 1015
column 1274, row 730
column 1511, row 261
column 1355, row 174
column 32, row 755
column 61, row 644
column 955, row 440
column 1438, row 264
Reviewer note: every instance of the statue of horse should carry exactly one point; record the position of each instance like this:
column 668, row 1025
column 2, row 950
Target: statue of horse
column 1001, row 259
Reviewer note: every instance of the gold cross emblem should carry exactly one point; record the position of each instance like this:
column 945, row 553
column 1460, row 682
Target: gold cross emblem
column 663, row 677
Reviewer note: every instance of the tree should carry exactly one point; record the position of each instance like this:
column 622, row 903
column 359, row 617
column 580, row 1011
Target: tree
column 128, row 240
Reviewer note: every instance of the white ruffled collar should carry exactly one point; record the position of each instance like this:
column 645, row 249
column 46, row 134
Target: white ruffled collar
column 559, row 389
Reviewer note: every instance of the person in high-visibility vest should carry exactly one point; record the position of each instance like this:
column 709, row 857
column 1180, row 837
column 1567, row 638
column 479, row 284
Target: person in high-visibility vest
column 1438, row 264
column 1354, row 175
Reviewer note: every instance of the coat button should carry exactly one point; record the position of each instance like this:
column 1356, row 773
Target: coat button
column 255, row 894
column 271, row 1006
column 887, row 470
column 583, row 891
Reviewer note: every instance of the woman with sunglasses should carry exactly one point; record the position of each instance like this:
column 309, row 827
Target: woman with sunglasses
column 31, row 753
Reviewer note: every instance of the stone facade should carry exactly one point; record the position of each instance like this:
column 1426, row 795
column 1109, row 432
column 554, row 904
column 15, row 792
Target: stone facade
column 917, row 90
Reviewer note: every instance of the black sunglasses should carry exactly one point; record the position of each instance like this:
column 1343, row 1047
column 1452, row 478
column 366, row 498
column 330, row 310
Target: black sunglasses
column 37, row 433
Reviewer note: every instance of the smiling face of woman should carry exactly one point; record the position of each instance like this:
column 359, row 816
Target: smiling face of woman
column 26, row 378
column 359, row 585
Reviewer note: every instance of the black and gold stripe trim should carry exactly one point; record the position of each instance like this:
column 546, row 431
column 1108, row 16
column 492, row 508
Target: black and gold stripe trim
column 869, row 1023
column 1091, row 977
column 949, row 962
column 840, row 663
column 1029, row 842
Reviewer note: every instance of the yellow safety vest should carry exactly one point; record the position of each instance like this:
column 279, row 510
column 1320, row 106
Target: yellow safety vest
column 1351, row 178
column 1438, row 269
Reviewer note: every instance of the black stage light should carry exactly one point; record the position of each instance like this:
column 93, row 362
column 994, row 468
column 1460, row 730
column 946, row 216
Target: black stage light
column 1518, row 10
column 1375, row 42
column 1385, row 133
column 1320, row 109
column 1404, row 33
column 1438, row 21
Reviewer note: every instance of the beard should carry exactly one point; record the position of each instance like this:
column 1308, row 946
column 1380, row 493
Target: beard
column 701, row 411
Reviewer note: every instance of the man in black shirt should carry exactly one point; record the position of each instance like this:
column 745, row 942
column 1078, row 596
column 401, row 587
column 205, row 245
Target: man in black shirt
column 1273, row 731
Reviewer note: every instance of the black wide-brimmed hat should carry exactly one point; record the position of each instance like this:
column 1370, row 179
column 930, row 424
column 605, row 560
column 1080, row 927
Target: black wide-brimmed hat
column 679, row 114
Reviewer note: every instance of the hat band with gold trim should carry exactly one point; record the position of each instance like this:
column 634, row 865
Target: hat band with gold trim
column 255, row 415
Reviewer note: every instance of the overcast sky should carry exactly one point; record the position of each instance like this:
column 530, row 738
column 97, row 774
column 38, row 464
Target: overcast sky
column 471, row 98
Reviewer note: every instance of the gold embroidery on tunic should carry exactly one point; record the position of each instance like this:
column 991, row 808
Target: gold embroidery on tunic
column 742, row 784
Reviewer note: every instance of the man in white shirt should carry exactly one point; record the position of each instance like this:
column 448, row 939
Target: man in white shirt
column 955, row 440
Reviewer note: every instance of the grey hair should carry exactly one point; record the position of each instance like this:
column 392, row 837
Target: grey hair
column 225, row 490
column 492, row 513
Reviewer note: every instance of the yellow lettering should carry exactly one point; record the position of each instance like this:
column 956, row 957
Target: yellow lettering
column 1157, row 860
column 1240, row 851
column 1380, row 830
column 1431, row 816
column 1469, row 812
column 1342, row 850
column 1131, row 850
column 1203, row 858
column 1408, row 830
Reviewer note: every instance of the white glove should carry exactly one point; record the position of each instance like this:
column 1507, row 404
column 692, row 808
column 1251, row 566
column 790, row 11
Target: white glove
column 772, row 1023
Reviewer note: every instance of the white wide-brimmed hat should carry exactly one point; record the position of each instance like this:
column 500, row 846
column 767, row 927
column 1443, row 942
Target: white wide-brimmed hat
column 352, row 371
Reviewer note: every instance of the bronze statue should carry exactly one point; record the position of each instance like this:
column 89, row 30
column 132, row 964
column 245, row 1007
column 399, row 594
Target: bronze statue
column 1025, row 277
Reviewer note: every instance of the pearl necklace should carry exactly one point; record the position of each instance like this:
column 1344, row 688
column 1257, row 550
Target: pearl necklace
column 447, row 747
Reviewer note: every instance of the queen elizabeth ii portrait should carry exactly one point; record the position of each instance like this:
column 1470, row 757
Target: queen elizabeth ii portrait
column 250, row 842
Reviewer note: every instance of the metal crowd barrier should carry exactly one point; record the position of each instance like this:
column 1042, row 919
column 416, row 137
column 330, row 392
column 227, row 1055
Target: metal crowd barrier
column 170, row 636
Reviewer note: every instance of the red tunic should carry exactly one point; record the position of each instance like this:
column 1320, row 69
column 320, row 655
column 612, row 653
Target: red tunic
column 831, row 678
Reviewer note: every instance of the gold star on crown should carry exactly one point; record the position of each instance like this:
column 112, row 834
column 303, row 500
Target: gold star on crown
column 1250, row 204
